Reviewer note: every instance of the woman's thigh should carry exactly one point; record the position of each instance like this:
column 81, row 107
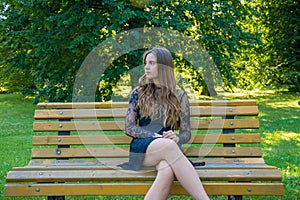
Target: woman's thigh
column 161, row 149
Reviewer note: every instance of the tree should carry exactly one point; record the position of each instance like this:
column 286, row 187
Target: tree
column 275, row 62
column 50, row 39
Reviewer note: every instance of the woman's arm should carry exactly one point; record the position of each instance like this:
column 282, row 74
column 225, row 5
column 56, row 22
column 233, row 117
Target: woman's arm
column 132, row 129
column 184, row 126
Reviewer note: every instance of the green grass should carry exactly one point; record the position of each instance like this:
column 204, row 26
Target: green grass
column 279, row 115
column 280, row 133
column 16, row 117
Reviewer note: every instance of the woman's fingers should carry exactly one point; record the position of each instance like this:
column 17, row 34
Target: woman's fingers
column 170, row 135
column 167, row 134
column 157, row 135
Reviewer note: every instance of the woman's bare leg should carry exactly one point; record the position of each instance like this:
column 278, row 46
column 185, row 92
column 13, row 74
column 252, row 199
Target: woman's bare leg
column 163, row 182
column 166, row 149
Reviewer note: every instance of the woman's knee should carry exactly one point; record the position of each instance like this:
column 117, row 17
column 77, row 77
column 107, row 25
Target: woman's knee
column 164, row 169
column 162, row 149
column 171, row 147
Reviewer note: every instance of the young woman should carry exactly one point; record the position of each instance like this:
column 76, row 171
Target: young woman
column 156, row 109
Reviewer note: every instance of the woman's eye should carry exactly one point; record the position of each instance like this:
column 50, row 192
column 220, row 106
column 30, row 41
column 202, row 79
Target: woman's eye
column 150, row 63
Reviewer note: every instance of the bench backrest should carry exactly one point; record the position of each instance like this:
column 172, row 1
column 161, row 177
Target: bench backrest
column 220, row 129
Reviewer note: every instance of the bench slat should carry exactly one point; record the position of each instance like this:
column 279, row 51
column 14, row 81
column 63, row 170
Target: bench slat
column 207, row 111
column 75, row 105
column 80, row 163
column 71, row 175
column 138, row 189
column 121, row 112
column 223, row 151
column 223, row 102
column 120, row 125
column 114, row 152
column 123, row 139
column 80, row 113
column 111, row 164
column 125, row 104
column 80, row 140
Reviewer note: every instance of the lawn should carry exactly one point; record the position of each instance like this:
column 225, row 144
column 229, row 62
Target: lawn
column 280, row 133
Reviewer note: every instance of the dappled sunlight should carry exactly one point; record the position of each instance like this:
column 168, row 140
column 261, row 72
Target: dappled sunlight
column 281, row 143
column 289, row 104
column 281, row 100
column 291, row 171
column 285, row 145
column 282, row 150
column 279, row 114
column 275, row 138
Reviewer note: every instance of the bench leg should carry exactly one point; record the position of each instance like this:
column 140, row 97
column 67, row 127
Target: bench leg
column 235, row 197
column 56, row 198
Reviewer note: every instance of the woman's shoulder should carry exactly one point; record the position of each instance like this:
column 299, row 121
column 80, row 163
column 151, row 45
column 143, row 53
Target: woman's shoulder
column 181, row 94
column 135, row 90
column 134, row 95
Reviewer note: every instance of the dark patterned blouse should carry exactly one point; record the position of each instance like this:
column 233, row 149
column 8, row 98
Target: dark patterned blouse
column 138, row 127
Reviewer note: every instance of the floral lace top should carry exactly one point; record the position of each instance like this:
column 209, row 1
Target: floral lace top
column 138, row 127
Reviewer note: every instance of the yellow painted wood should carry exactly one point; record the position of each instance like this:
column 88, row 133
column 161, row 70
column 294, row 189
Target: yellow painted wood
column 223, row 102
column 203, row 111
column 100, row 175
column 274, row 189
column 225, row 124
column 223, row 151
column 79, row 126
column 120, row 125
column 225, row 138
column 80, row 113
column 125, row 104
column 76, row 105
column 206, row 111
column 121, row 152
column 81, row 140
column 49, row 164
column 123, row 139
column 113, row 165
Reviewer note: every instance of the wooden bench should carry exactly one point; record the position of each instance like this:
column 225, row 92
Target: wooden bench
column 77, row 147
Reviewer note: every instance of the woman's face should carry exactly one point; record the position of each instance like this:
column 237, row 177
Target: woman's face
column 151, row 67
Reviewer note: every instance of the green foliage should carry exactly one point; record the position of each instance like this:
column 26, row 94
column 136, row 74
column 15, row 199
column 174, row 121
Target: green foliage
column 44, row 43
column 276, row 61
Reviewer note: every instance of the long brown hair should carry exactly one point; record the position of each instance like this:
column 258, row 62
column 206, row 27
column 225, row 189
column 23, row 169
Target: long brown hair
column 148, row 95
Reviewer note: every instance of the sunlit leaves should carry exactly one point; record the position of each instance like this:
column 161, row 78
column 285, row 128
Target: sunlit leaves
column 47, row 41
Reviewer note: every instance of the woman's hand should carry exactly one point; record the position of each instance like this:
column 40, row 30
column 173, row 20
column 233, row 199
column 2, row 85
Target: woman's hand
column 170, row 135
column 156, row 135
